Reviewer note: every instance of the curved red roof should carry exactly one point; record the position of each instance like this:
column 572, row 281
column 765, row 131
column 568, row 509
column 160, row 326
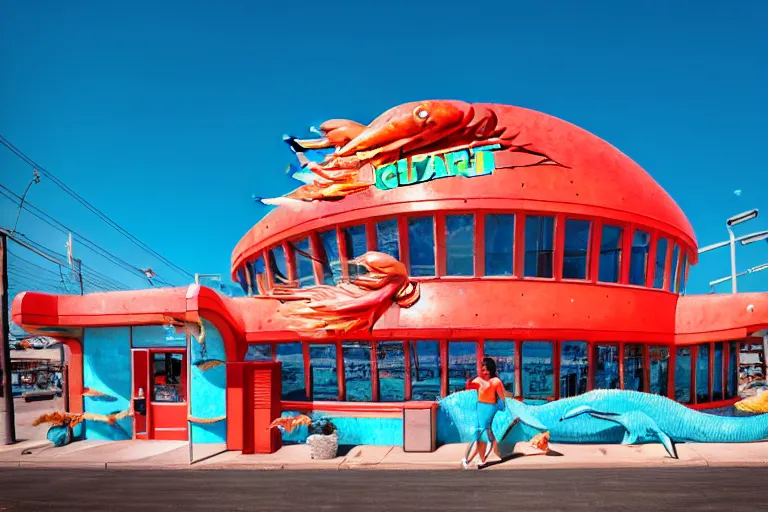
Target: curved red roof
column 594, row 179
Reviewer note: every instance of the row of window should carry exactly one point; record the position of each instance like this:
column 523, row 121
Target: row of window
column 394, row 371
column 654, row 260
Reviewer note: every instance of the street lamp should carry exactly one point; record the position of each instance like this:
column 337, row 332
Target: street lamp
column 754, row 237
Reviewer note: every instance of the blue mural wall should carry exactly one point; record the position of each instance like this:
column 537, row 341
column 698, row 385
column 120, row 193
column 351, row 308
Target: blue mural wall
column 353, row 431
column 107, row 370
column 209, row 387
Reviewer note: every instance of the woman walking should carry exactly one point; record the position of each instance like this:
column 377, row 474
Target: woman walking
column 490, row 400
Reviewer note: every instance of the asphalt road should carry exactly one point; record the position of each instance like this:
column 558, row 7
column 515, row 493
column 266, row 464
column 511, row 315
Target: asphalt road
column 363, row 491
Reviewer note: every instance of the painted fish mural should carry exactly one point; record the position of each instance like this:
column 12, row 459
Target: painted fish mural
column 602, row 417
column 412, row 129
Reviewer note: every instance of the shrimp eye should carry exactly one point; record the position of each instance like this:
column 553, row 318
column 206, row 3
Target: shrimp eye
column 420, row 113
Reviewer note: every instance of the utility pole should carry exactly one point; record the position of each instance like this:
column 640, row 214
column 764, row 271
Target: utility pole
column 8, row 423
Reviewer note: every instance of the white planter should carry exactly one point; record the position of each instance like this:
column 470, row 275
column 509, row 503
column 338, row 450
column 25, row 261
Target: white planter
column 323, row 447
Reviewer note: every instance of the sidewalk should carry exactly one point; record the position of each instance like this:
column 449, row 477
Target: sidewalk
column 175, row 455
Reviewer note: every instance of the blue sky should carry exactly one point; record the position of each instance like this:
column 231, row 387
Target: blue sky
column 168, row 115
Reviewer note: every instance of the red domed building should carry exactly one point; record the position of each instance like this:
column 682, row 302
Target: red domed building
column 521, row 237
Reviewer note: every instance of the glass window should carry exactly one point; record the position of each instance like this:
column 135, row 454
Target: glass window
column 537, row 371
column 391, row 361
column 355, row 240
column 331, row 261
column 610, row 254
column 459, row 245
column 659, row 370
column 357, row 371
column 324, row 381
column 387, row 239
column 421, row 246
column 606, row 367
column 683, row 274
column 702, row 374
column 256, row 272
column 661, row 260
column 576, row 248
column 278, row 266
column 633, row 367
column 503, row 352
column 167, row 377
column 462, row 364
column 673, row 283
column 574, row 368
column 259, row 352
column 241, row 279
column 499, row 244
column 304, row 269
column 683, row 375
column 732, row 377
column 539, row 240
column 717, row 380
column 638, row 262
column 425, row 370
column 157, row 336
column 292, row 359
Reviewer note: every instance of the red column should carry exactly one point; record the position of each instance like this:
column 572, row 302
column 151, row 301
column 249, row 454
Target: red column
column 479, row 253
column 559, row 247
column 75, row 375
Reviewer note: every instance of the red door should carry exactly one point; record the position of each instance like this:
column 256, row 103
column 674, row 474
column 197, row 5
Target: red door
column 161, row 376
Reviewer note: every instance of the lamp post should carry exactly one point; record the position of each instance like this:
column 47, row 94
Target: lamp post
column 736, row 219
column 754, row 237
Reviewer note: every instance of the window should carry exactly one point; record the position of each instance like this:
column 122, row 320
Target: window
column 574, row 368
column 659, row 370
column 539, row 240
column 661, row 260
column 421, row 246
column 538, row 372
column 499, row 244
column 324, row 382
column 702, row 374
column 355, row 240
column 610, row 254
column 683, row 375
column 157, row 336
column 331, row 261
column 304, row 269
column 259, row 352
column 459, row 245
column 256, row 272
column 638, row 262
column 462, row 364
column 606, row 367
column 576, row 248
column 387, row 240
column 633, row 367
column 278, row 266
column 391, row 359
column 717, row 380
column 732, row 377
column 357, row 371
column 673, row 283
column 503, row 352
column 683, row 274
column 168, row 383
column 290, row 354
column 425, row 370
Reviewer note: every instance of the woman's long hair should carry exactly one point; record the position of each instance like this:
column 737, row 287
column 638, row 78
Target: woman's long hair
column 490, row 365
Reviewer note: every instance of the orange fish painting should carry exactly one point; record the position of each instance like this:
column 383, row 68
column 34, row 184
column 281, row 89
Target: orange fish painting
column 289, row 424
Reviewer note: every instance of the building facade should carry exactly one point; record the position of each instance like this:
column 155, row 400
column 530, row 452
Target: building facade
column 457, row 232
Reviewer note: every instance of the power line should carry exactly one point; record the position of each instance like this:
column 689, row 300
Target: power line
column 90, row 207
column 53, row 222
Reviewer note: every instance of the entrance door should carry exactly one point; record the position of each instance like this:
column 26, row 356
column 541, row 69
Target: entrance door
column 168, row 406
column 160, row 394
